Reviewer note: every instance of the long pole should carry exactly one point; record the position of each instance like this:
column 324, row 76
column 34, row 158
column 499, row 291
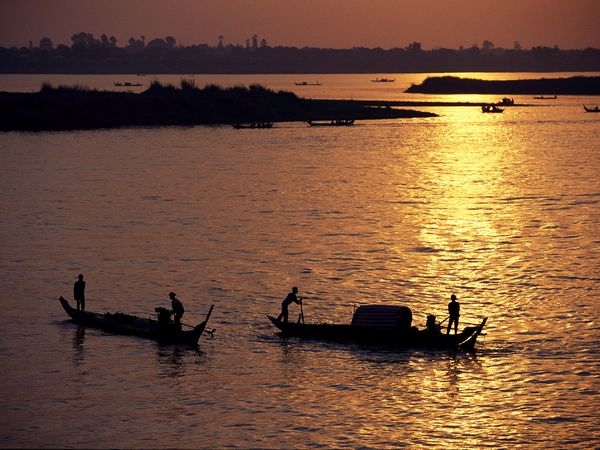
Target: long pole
column 301, row 316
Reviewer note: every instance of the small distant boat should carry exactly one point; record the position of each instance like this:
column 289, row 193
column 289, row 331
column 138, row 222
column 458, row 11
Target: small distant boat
column 306, row 83
column 383, row 325
column 127, row 84
column 252, row 125
column 332, row 123
column 541, row 97
column 491, row 109
column 592, row 109
column 383, row 80
column 506, row 102
column 162, row 330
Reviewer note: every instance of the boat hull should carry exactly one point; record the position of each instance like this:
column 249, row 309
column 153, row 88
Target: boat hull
column 410, row 338
column 491, row 109
column 253, row 125
column 119, row 323
column 332, row 123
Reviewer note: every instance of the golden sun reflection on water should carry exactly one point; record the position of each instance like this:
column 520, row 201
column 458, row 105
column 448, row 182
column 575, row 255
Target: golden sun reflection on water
column 487, row 200
column 458, row 399
column 466, row 172
column 465, row 223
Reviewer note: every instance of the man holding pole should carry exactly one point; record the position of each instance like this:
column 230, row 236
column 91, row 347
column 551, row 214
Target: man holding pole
column 178, row 309
column 291, row 298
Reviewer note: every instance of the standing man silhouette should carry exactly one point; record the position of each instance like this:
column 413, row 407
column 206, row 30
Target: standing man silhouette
column 79, row 293
column 454, row 311
column 291, row 298
column 178, row 309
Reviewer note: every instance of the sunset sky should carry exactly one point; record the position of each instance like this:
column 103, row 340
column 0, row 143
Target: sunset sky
column 320, row 23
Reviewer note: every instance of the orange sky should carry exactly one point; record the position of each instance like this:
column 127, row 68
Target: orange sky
column 319, row 23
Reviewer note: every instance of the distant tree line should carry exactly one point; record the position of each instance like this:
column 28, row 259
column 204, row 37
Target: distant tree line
column 580, row 85
column 88, row 54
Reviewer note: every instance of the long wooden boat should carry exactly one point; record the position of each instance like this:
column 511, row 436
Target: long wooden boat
column 332, row 123
column 252, row 125
column 127, row 84
column 491, row 109
column 383, row 325
column 161, row 330
column 591, row 109
column 506, row 102
column 542, row 97
column 383, row 80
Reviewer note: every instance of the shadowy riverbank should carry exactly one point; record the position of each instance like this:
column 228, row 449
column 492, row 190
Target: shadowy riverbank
column 69, row 108
column 552, row 86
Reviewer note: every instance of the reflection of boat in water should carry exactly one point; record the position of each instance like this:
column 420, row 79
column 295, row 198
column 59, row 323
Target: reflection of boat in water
column 383, row 325
column 127, row 84
column 491, row 109
column 506, row 102
column 306, row 83
column 383, row 80
column 541, row 97
column 252, row 125
column 162, row 330
column 332, row 123
column 592, row 109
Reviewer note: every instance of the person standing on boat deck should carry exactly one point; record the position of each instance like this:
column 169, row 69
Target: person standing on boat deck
column 291, row 298
column 79, row 293
column 178, row 309
column 454, row 311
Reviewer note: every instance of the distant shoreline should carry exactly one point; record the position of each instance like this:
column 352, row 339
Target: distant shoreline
column 73, row 108
column 579, row 85
column 91, row 55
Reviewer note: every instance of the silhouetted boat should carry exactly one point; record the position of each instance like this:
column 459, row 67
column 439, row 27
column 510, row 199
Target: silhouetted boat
column 592, row 109
column 239, row 126
column 541, row 97
column 306, row 83
column 127, row 84
column 383, row 80
column 491, row 109
column 506, row 102
column 382, row 325
column 162, row 330
column 332, row 123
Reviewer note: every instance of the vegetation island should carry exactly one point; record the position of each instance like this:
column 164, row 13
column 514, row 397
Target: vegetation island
column 554, row 86
column 91, row 55
column 70, row 108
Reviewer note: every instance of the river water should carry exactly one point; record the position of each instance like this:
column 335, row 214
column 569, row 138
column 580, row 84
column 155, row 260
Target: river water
column 500, row 209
